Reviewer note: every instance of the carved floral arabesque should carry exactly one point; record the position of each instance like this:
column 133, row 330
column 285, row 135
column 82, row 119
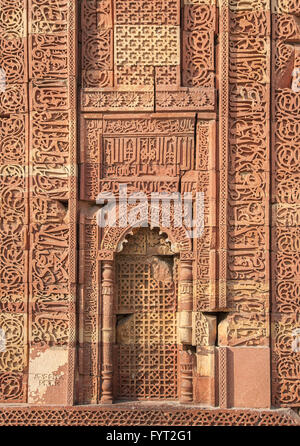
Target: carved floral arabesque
column 285, row 196
column 37, row 161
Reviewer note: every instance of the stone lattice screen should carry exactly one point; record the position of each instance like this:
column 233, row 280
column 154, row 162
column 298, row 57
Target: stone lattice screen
column 164, row 96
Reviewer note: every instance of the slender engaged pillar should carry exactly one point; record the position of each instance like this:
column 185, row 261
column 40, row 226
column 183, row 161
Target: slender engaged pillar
column 107, row 331
column 185, row 308
column 186, row 376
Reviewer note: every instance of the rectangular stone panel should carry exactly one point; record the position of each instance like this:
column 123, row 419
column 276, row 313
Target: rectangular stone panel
column 146, row 45
column 48, row 373
column 143, row 12
column 48, row 17
column 249, row 377
column 49, row 58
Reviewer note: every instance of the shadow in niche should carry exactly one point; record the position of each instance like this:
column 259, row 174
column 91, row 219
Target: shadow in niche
column 145, row 353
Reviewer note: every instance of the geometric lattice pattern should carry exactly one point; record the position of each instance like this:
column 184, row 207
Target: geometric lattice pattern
column 102, row 416
column 147, row 339
column 138, row 290
column 149, row 328
column 145, row 12
column 149, row 45
column 146, row 35
column 147, row 372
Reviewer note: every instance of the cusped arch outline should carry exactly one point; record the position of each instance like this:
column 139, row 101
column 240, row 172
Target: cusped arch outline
column 114, row 237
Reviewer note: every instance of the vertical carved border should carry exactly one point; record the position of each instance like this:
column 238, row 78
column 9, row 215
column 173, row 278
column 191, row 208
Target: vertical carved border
column 65, row 86
column 223, row 377
column 73, row 205
column 223, row 148
column 284, row 218
column 14, row 212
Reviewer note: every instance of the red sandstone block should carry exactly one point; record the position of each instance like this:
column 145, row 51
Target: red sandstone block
column 252, row 23
column 249, row 377
column 286, row 187
column 48, row 375
column 13, row 387
column 248, row 296
column 48, row 20
column 49, row 57
column 207, row 240
column 18, row 215
column 14, row 140
column 50, row 328
column 149, row 116
column 13, row 61
column 248, row 237
column 285, row 240
column 248, row 264
column 285, row 265
column 285, row 296
column 248, row 213
column 186, row 99
column 17, row 23
column 98, row 50
column 285, row 27
column 283, row 108
column 13, row 296
column 93, row 21
column 55, row 235
column 51, row 294
column 206, row 140
column 252, row 186
column 244, row 329
column 167, row 77
column 139, row 12
column 205, row 294
column 198, row 50
column 204, row 390
column 285, row 215
column 97, row 78
column 50, row 265
column 199, row 17
column 13, row 100
column 14, row 236
column 86, row 358
column 49, row 98
column 44, row 210
column 46, row 181
column 118, row 100
column 15, row 271
column 284, row 157
column 87, row 389
column 85, row 267
column 48, row 304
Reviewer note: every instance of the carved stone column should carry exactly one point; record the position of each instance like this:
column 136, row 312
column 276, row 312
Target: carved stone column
column 107, row 331
column 186, row 376
column 185, row 308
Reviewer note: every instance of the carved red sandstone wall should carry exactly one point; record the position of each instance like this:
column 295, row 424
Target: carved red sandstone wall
column 193, row 95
